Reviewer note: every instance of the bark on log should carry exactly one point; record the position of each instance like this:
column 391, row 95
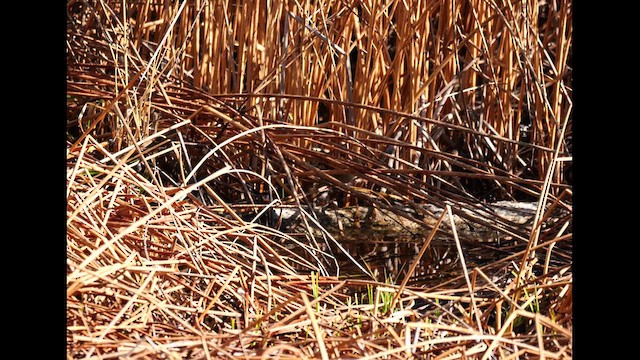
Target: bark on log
column 494, row 222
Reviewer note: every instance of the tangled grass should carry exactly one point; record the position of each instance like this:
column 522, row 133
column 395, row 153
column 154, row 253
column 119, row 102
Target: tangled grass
column 189, row 123
column 154, row 273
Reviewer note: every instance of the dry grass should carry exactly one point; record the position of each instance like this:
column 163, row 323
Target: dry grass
column 189, row 122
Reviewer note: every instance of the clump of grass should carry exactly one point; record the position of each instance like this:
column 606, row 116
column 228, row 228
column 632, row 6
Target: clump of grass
column 190, row 123
column 151, row 270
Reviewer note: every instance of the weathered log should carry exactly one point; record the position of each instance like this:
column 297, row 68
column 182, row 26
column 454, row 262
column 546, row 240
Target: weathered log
column 488, row 223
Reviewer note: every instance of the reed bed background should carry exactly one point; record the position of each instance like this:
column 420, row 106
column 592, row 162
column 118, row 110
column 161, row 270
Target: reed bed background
column 190, row 124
